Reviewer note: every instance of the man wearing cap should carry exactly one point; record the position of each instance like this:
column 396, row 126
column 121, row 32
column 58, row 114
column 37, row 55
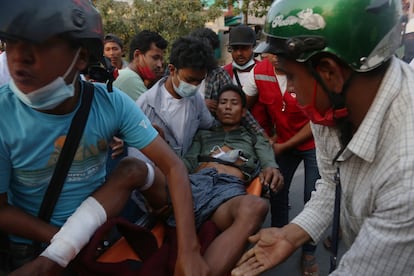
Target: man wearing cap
column 242, row 39
column 114, row 50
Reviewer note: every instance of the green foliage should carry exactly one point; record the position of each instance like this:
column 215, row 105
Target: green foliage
column 257, row 8
column 172, row 18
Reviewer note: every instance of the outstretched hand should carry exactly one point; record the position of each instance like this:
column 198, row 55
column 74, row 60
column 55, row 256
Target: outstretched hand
column 271, row 248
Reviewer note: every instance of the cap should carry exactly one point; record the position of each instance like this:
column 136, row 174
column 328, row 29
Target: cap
column 113, row 38
column 242, row 35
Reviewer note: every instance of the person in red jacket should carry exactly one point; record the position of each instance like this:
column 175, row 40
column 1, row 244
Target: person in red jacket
column 275, row 107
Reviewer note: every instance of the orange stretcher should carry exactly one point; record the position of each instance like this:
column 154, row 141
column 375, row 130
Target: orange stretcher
column 121, row 250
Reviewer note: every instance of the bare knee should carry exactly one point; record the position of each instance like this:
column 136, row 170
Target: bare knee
column 253, row 209
column 130, row 173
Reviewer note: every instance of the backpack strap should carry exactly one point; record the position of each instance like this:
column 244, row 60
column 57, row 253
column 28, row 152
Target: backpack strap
column 68, row 152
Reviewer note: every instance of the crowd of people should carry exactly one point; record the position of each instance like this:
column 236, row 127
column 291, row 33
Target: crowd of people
column 187, row 136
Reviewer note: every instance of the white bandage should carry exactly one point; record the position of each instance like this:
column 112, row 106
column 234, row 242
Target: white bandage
column 76, row 232
column 150, row 178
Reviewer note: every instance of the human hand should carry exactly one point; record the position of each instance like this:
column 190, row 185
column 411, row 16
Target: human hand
column 117, row 146
column 191, row 264
column 272, row 248
column 41, row 266
column 211, row 105
column 272, row 178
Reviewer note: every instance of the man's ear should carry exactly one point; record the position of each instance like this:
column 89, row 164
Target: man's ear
column 137, row 53
column 171, row 68
column 332, row 74
column 83, row 60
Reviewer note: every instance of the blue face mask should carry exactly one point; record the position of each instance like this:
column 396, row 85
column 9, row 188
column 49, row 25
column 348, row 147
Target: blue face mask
column 50, row 95
column 243, row 67
column 185, row 89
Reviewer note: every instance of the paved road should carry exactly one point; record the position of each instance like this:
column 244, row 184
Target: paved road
column 291, row 267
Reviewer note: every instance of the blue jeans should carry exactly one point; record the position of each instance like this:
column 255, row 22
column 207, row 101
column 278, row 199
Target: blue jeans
column 288, row 164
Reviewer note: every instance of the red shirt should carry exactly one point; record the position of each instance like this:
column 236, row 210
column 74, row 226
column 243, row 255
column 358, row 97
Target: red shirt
column 273, row 108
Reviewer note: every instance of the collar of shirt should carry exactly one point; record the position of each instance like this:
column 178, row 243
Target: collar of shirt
column 365, row 141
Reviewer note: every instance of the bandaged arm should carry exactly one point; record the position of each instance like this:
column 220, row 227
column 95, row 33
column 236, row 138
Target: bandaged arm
column 76, row 232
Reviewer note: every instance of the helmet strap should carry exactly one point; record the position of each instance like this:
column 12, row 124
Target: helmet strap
column 338, row 105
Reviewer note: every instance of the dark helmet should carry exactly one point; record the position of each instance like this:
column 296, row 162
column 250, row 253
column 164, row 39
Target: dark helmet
column 39, row 20
column 242, row 35
column 361, row 33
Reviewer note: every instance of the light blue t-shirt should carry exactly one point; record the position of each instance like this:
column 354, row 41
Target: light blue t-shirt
column 30, row 143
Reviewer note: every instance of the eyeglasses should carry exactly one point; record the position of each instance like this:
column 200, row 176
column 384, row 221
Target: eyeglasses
column 239, row 48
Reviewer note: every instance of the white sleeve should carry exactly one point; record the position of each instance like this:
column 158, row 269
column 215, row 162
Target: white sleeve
column 250, row 87
column 412, row 63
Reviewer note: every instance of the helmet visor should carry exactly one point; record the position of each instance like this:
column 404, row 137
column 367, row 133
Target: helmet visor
column 294, row 47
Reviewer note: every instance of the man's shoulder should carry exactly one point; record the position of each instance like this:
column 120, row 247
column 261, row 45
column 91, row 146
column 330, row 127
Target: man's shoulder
column 102, row 93
column 265, row 65
column 228, row 68
column 126, row 74
column 218, row 70
column 153, row 94
column 5, row 93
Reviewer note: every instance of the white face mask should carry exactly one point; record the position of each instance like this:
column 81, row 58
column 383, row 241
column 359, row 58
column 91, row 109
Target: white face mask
column 50, row 95
column 229, row 156
column 185, row 89
column 243, row 67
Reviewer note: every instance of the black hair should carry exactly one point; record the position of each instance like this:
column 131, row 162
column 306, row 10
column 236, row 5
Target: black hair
column 143, row 40
column 234, row 88
column 191, row 52
column 209, row 35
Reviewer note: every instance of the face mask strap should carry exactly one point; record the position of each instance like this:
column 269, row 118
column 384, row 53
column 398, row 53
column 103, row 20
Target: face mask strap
column 338, row 105
column 75, row 59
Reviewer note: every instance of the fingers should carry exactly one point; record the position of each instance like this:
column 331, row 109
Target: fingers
column 273, row 179
column 246, row 256
column 117, row 146
column 277, row 181
column 117, row 153
column 249, row 267
column 116, row 143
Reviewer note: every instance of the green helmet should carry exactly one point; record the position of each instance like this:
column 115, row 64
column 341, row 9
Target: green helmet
column 361, row 33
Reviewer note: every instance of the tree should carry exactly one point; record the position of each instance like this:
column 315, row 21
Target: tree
column 117, row 18
column 257, row 8
column 172, row 18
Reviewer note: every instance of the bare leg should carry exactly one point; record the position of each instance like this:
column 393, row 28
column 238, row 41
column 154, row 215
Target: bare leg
column 238, row 218
column 130, row 174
